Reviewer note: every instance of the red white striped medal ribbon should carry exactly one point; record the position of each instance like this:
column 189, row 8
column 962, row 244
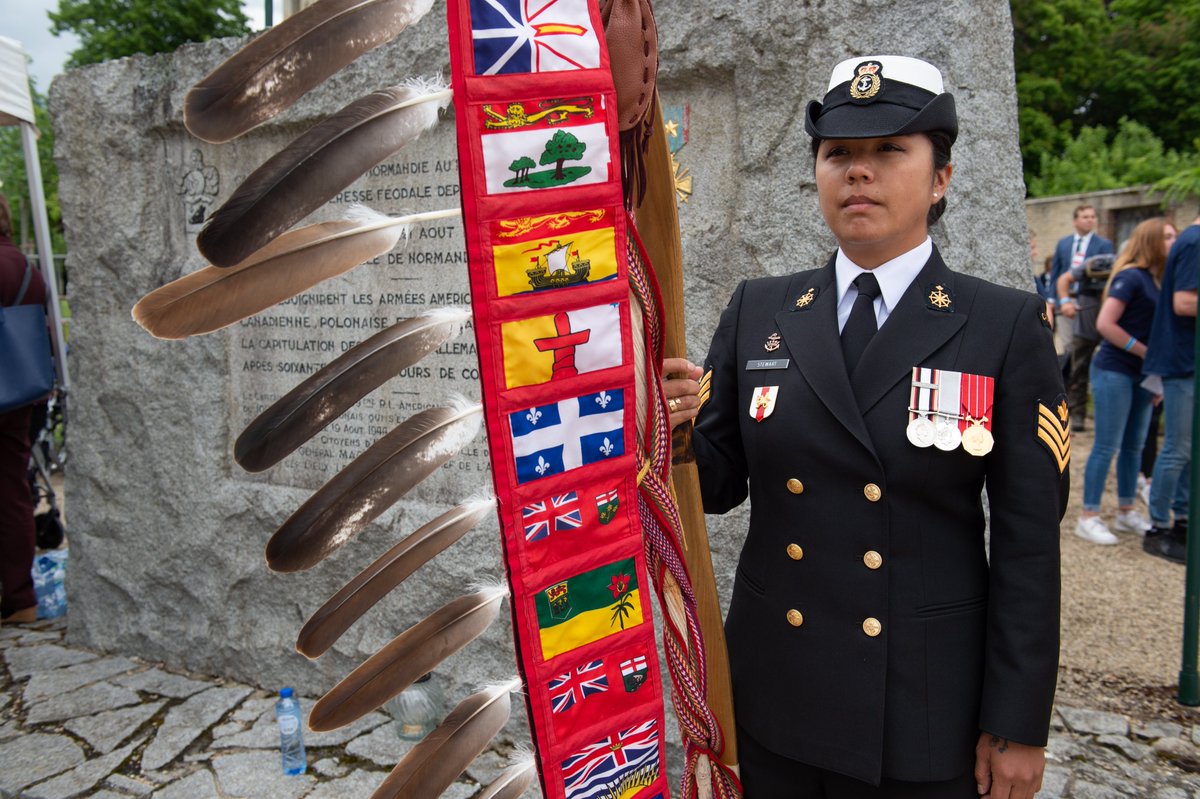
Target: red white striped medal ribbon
column 977, row 393
column 920, row 407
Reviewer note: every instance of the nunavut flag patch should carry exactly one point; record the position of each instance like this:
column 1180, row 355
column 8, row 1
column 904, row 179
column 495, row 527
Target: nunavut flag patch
column 562, row 345
column 1054, row 432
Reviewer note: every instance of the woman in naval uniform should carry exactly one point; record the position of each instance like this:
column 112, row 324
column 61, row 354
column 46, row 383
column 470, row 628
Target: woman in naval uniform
column 864, row 407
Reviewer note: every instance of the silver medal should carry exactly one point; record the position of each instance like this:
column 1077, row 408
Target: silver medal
column 920, row 432
column 946, row 434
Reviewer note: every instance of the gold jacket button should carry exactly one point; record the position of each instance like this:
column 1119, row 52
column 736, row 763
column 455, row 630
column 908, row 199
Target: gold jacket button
column 795, row 552
column 872, row 627
column 795, row 618
column 873, row 559
column 795, row 486
column 872, row 492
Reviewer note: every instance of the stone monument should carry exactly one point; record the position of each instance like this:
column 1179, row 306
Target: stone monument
column 167, row 532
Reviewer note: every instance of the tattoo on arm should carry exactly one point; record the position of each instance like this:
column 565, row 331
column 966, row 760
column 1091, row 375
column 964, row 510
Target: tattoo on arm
column 999, row 743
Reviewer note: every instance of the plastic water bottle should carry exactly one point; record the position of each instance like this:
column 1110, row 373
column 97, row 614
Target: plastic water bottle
column 291, row 736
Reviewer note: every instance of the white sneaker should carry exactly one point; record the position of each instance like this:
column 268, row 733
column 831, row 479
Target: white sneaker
column 1132, row 521
column 1143, row 489
column 1095, row 530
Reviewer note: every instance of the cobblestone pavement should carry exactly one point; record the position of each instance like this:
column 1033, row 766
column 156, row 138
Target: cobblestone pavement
column 78, row 723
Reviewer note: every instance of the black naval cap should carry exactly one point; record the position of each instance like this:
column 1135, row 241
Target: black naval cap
column 882, row 95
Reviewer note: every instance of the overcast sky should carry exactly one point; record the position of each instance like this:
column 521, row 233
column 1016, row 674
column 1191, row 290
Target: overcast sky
column 26, row 21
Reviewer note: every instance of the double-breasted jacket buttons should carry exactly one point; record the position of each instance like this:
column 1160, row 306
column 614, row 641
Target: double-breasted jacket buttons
column 795, row 617
column 872, row 492
column 795, row 551
column 795, row 486
column 872, row 560
column 872, row 627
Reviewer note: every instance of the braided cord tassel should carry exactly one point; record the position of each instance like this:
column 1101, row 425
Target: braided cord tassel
column 683, row 641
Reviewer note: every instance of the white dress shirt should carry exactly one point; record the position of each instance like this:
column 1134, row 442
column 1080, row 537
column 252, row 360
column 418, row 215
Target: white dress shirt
column 894, row 277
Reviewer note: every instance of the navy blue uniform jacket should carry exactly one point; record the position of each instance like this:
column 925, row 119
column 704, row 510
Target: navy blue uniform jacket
column 881, row 529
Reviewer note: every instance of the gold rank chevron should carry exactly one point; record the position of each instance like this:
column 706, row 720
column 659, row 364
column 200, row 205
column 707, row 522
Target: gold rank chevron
column 705, row 387
column 1054, row 433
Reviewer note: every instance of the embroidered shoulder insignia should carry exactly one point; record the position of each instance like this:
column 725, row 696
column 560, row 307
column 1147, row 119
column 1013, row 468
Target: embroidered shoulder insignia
column 1054, row 431
column 940, row 298
column 705, row 387
column 807, row 297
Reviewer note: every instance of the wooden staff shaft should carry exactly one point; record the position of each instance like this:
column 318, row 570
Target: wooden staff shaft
column 658, row 225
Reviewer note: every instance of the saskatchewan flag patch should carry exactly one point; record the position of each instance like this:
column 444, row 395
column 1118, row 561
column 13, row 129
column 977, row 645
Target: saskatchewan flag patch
column 1054, row 432
column 588, row 607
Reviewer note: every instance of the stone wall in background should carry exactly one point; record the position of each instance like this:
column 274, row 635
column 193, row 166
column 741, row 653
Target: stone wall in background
column 167, row 533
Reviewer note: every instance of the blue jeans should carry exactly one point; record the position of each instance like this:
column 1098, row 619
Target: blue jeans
column 1169, row 490
column 1122, row 410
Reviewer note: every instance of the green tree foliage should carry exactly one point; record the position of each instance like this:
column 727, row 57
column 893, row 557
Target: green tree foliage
column 1092, row 161
column 115, row 28
column 562, row 147
column 1088, row 64
column 522, row 166
column 15, row 184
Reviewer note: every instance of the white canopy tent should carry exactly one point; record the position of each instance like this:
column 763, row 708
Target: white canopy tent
column 16, row 108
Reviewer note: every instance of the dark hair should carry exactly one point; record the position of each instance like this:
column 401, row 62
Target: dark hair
column 1081, row 208
column 5, row 217
column 940, row 140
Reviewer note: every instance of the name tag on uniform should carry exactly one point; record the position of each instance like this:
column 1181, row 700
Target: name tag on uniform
column 774, row 363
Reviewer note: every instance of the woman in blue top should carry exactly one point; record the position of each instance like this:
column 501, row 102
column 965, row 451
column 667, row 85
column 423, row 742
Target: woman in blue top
column 1122, row 407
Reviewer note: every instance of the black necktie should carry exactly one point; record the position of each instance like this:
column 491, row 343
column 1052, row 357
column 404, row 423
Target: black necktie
column 856, row 335
column 1079, row 245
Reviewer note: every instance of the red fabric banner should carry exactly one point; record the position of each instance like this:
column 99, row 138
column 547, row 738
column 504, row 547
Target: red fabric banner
column 546, row 238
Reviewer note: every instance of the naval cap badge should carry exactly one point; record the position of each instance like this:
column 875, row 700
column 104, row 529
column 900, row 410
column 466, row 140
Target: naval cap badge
column 867, row 80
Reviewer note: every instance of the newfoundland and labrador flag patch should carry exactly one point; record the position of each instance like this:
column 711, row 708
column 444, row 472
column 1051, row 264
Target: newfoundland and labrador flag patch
column 518, row 36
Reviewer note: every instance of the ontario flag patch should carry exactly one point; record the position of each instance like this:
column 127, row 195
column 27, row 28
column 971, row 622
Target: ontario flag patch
column 562, row 513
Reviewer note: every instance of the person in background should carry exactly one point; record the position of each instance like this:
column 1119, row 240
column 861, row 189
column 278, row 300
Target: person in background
column 1071, row 252
column 17, row 543
column 863, row 407
column 1171, row 356
column 1121, row 405
column 1150, row 449
column 1044, row 287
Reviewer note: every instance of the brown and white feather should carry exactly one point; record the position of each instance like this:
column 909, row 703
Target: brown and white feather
column 278, row 67
column 406, row 658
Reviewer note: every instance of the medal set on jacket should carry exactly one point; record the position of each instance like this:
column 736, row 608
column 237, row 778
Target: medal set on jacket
column 947, row 409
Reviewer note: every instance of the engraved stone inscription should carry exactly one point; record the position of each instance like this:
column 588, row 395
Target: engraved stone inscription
column 274, row 351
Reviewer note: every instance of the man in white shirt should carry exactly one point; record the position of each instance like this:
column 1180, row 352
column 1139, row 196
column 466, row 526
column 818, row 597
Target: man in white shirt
column 1072, row 251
